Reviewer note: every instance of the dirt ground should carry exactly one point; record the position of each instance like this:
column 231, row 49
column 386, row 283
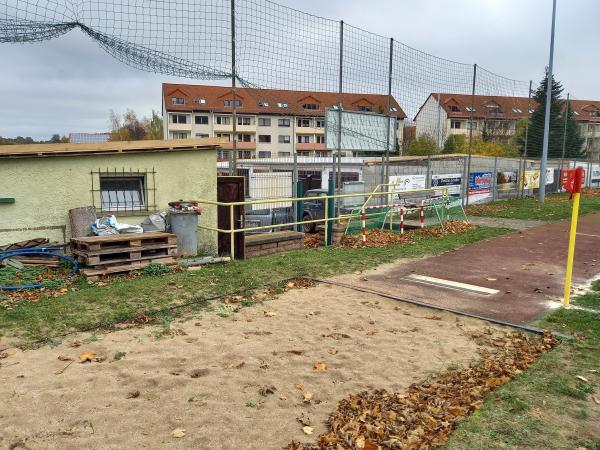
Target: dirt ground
column 231, row 383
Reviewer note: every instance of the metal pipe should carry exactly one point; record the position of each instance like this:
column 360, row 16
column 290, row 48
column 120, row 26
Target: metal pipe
column 340, row 105
column 564, row 143
column 550, row 78
column 386, row 168
column 471, row 132
column 233, row 89
column 231, row 233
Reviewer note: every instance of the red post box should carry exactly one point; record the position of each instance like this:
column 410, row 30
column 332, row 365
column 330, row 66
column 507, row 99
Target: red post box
column 572, row 179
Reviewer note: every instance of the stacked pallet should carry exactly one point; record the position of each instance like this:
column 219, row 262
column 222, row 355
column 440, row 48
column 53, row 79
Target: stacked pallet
column 122, row 253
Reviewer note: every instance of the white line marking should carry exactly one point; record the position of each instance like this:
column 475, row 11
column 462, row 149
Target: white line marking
column 452, row 284
column 589, row 235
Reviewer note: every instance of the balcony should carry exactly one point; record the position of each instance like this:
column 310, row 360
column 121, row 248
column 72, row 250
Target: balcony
column 310, row 147
column 180, row 126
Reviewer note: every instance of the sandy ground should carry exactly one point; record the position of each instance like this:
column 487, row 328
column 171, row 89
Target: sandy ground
column 379, row 343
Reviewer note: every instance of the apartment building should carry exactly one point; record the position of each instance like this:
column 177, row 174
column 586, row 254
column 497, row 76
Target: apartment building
column 445, row 114
column 270, row 123
column 587, row 114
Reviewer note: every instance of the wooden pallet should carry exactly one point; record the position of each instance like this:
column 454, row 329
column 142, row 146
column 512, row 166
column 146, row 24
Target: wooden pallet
column 105, row 255
column 96, row 244
column 93, row 273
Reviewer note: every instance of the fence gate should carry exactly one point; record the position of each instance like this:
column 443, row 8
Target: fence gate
column 231, row 189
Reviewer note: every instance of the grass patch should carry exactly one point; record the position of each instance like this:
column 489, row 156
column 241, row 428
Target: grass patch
column 125, row 299
column 556, row 207
column 547, row 406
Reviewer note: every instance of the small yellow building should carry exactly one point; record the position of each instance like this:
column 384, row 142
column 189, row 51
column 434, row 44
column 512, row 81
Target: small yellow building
column 40, row 183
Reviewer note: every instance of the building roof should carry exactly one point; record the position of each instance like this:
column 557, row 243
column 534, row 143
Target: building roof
column 78, row 138
column 512, row 108
column 204, row 98
column 105, row 148
column 586, row 110
column 485, row 106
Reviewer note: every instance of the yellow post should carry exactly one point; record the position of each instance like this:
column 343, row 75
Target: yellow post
column 326, row 235
column 571, row 254
column 231, row 233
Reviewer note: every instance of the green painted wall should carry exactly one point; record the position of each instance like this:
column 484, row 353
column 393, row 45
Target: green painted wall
column 46, row 188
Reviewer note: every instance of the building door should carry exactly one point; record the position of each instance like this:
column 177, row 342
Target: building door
column 230, row 189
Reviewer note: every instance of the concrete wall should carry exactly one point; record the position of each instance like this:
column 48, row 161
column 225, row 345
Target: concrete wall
column 46, row 188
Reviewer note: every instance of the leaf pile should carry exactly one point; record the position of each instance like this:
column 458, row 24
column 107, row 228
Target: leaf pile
column 425, row 415
column 485, row 209
column 375, row 238
column 450, row 227
column 313, row 240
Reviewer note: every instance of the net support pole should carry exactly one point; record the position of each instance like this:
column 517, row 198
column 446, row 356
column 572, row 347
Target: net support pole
column 338, row 172
column 522, row 173
column 564, row 142
column 550, row 78
column 468, row 177
column 233, row 89
column 385, row 169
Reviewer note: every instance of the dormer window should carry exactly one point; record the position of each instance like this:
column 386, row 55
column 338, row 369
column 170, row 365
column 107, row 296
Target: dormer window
column 517, row 110
column 595, row 114
column 393, row 109
column 178, row 100
column 470, row 109
column 575, row 113
column 200, row 101
column 263, row 104
column 230, row 103
column 531, row 111
column 454, row 108
column 310, row 106
column 494, row 109
column 282, row 105
column 365, row 108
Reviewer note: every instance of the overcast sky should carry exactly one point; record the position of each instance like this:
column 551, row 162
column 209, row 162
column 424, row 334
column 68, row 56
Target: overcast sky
column 69, row 84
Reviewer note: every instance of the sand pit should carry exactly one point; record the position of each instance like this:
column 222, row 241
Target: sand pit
column 232, row 383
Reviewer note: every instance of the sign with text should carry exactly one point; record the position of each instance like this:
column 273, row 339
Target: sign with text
column 451, row 181
column 480, row 186
column 407, row 182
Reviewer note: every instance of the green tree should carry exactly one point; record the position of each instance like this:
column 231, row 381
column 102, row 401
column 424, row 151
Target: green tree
column 455, row 143
column 153, row 126
column 130, row 128
column 574, row 141
column 422, row 146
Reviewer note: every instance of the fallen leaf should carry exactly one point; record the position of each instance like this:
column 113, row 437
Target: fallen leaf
column 64, row 358
column 307, row 397
column 87, row 356
column 178, row 432
column 584, row 379
column 332, row 351
column 357, row 327
column 270, row 313
column 491, row 279
column 308, row 430
column 370, row 446
column 197, row 373
column 595, row 400
column 298, row 386
column 267, row 390
column 133, row 394
column 320, row 366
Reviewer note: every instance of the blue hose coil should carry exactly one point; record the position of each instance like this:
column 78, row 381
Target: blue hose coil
column 48, row 252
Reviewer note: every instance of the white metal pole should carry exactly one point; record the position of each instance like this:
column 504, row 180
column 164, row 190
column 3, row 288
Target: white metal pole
column 544, row 162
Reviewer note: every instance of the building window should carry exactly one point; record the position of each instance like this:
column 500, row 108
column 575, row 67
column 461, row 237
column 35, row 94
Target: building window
column 365, row 108
column 310, row 106
column 264, row 154
column 264, row 122
column 201, row 120
column 284, row 154
column 470, row 109
column 178, row 101
column 468, row 125
column 319, row 123
column 244, row 154
column 454, row 108
column 264, row 138
column 223, row 120
column 320, row 139
column 244, row 138
column 263, row 104
column 201, row 135
column 180, row 135
column 224, row 135
column 200, row 101
column 517, row 110
column 178, row 118
column 303, row 123
column 230, row 103
column 303, row 139
column 455, row 124
column 123, row 192
column 244, row 121
column 494, row 110
column 595, row 114
column 303, row 153
column 321, row 154
column 282, row 105
column 284, row 139
column 284, row 122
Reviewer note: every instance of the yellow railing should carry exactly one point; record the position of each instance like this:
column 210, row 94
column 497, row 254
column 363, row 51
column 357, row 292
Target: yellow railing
column 326, row 219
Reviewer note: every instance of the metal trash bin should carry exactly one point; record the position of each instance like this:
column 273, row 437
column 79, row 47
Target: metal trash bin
column 184, row 225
